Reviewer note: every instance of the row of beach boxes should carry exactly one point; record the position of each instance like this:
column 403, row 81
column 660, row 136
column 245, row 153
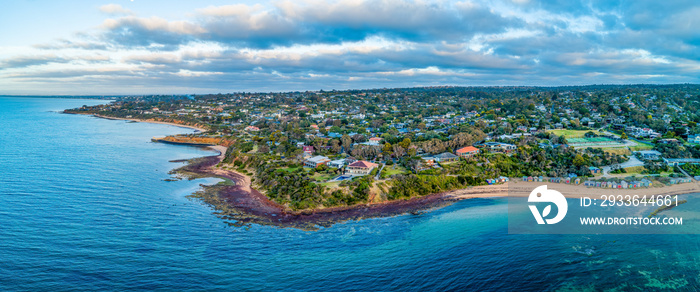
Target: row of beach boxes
column 591, row 183
column 604, row 184
column 500, row 179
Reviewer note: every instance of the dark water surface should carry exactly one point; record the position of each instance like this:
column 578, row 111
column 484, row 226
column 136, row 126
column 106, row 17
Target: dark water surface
column 83, row 206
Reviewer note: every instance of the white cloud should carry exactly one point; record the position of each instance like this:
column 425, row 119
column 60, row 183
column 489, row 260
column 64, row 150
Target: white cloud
column 115, row 9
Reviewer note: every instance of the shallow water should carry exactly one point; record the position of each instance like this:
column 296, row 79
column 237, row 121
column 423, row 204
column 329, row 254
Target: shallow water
column 83, row 206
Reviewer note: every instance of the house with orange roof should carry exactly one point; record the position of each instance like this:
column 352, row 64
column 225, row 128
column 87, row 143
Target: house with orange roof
column 360, row 167
column 468, row 151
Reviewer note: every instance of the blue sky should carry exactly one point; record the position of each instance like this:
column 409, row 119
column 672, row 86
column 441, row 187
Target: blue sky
column 154, row 47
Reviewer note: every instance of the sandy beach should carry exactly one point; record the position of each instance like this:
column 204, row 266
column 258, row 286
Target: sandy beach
column 523, row 189
column 241, row 204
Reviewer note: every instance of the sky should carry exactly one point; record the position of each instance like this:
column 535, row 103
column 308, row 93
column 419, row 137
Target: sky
column 89, row 47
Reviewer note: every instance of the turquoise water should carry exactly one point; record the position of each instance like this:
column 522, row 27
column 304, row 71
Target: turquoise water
column 83, row 206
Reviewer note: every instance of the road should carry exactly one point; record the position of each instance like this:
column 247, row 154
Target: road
column 629, row 163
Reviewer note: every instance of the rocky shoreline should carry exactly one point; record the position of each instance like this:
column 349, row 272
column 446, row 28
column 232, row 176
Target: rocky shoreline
column 239, row 205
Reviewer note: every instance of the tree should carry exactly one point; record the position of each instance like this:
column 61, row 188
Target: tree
column 405, row 143
column 624, row 136
column 346, row 142
column 578, row 160
column 387, row 150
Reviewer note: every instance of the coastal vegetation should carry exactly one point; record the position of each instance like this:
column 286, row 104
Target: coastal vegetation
column 411, row 137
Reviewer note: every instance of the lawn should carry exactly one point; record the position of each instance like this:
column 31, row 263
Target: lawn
column 288, row 169
column 394, row 169
column 573, row 133
column 641, row 147
column 330, row 185
column 322, row 177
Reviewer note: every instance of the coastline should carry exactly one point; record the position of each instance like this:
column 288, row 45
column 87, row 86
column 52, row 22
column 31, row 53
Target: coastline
column 243, row 205
column 140, row 121
column 523, row 189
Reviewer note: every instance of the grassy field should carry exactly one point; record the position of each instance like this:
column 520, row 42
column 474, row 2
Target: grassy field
column 572, row 133
column 330, row 185
column 618, row 151
column 288, row 169
column 641, row 147
column 322, row 177
column 392, row 170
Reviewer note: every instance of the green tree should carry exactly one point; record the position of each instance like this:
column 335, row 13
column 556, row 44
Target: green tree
column 578, row 160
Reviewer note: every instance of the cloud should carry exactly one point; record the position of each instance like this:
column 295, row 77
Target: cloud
column 308, row 22
column 39, row 60
column 115, row 9
column 137, row 31
column 313, row 44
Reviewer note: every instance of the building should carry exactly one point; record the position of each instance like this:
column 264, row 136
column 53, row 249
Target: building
column 594, row 170
column 375, row 140
column 360, row 167
column 252, row 129
column 468, row 151
column 337, row 163
column 650, row 154
column 694, row 139
column 316, row 161
column 498, row 147
column 445, row 157
column 308, row 149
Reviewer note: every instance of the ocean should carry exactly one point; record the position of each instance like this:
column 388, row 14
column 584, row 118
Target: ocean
column 84, row 206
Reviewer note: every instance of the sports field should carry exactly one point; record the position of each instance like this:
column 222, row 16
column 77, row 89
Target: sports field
column 594, row 141
column 573, row 133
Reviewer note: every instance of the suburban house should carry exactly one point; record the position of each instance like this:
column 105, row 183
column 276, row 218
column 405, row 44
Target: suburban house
column 694, row 139
column 375, row 140
column 316, row 161
column 252, row 129
column 360, row 167
column 445, row 157
column 468, row 151
column 337, row 163
column 308, row 149
column 499, row 147
column 594, row 170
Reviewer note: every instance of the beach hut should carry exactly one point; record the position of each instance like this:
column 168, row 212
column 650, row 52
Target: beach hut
column 540, row 178
column 589, row 183
column 568, row 180
column 624, row 184
column 524, row 178
column 603, row 184
column 597, row 184
column 577, row 181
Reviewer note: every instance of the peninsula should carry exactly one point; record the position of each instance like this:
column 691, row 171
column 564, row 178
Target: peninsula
column 309, row 159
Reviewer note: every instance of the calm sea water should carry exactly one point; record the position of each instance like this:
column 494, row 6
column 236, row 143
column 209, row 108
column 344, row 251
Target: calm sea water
column 83, row 206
